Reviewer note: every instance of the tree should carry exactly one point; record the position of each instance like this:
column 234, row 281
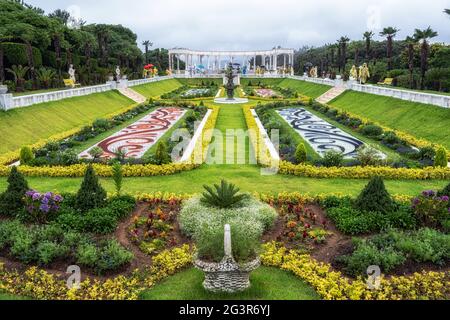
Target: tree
column 147, row 44
column 117, row 176
column 344, row 42
column 19, row 74
column 11, row 201
column 368, row 35
column 423, row 37
column 45, row 76
column 375, row 197
column 91, row 194
column 390, row 33
column 61, row 15
column 300, row 153
column 440, row 159
column 411, row 42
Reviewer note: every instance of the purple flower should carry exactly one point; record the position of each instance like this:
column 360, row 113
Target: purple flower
column 48, row 195
column 428, row 193
column 36, row 196
column 445, row 198
column 58, row 198
column 30, row 193
column 44, row 201
column 416, row 201
column 44, row 208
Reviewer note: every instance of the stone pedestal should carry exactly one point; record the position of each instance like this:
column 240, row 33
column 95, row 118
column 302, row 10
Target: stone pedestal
column 6, row 101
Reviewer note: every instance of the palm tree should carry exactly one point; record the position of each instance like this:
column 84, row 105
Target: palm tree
column 411, row 42
column 447, row 11
column 45, row 76
column 423, row 36
column 390, row 33
column 19, row 72
column 343, row 41
column 147, row 44
column 368, row 35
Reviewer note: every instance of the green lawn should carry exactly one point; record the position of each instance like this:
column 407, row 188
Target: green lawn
column 247, row 177
column 310, row 89
column 423, row 121
column 415, row 90
column 266, row 284
column 156, row 89
column 25, row 126
column 7, row 296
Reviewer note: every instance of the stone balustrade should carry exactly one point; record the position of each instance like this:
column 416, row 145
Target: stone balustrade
column 414, row 96
column 138, row 82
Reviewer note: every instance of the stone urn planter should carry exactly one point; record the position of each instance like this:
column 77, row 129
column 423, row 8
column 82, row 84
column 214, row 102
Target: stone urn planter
column 227, row 276
column 3, row 89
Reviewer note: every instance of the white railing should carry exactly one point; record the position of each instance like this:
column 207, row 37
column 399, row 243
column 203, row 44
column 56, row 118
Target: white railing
column 132, row 83
column 422, row 97
column 327, row 82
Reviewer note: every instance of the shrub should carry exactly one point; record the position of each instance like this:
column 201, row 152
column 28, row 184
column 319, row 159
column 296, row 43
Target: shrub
column 11, row 201
column 100, row 221
column 41, row 207
column 430, row 208
column 427, row 153
column 368, row 156
column 371, row 130
column 375, row 197
column 96, row 152
column 26, row 155
column 225, row 195
column 300, row 153
column 91, row 194
column 440, row 159
column 445, row 191
column 333, row 158
column 206, row 225
column 161, row 153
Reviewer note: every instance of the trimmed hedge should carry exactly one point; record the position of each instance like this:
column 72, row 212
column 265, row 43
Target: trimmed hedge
column 16, row 54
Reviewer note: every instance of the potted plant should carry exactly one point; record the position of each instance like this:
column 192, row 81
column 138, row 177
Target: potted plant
column 227, row 227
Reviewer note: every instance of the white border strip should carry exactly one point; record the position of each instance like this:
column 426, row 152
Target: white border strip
column 191, row 146
column 273, row 152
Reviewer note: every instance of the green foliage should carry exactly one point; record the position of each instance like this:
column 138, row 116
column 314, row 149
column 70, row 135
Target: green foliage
column 11, row 201
column 333, row 158
column 440, row 159
column 371, row 130
column 368, row 156
column 225, row 195
column 96, row 152
column 445, row 191
column 91, row 194
column 117, row 174
column 26, row 155
column 375, row 197
column 206, row 225
column 161, row 154
column 300, row 153
column 16, row 54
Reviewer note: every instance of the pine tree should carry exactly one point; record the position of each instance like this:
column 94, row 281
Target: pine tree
column 161, row 155
column 91, row 194
column 117, row 176
column 11, row 201
column 375, row 197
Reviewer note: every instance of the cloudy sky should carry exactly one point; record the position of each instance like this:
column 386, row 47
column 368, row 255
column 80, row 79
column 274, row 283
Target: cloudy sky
column 257, row 24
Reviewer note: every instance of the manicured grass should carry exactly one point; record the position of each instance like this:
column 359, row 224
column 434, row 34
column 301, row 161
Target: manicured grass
column 423, row 121
column 266, row 284
column 7, row 296
column 310, row 89
column 156, row 89
column 247, row 177
column 25, row 126
column 415, row 90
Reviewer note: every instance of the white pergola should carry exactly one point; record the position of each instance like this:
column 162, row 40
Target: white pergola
column 274, row 61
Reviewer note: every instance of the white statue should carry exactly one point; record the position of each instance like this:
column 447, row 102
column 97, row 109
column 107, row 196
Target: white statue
column 72, row 73
column 227, row 241
column 118, row 73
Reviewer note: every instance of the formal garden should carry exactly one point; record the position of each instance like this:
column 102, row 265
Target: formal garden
column 268, row 188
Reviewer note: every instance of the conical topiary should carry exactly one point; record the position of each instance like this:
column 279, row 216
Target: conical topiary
column 11, row 201
column 91, row 194
column 300, row 153
column 440, row 160
column 375, row 197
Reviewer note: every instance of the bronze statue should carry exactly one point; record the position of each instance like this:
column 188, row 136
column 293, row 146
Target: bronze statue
column 230, row 82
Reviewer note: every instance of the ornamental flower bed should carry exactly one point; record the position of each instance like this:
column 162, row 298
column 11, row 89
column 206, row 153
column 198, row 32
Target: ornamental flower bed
column 432, row 209
column 154, row 229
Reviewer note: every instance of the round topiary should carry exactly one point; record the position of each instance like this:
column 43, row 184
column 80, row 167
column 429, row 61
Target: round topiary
column 375, row 197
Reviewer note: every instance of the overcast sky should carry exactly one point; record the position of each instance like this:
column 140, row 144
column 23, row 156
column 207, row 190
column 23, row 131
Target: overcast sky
column 258, row 24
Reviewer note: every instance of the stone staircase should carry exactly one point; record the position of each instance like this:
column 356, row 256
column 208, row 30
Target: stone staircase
column 133, row 95
column 331, row 94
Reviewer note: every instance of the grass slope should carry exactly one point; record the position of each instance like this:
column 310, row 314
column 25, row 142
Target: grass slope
column 156, row 89
column 266, row 284
column 24, row 126
column 310, row 89
column 424, row 121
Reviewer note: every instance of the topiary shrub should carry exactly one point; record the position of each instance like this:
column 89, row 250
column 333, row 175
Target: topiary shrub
column 91, row 194
column 11, row 201
column 440, row 159
column 375, row 197
column 300, row 153
column 371, row 130
column 161, row 155
column 26, row 155
column 333, row 158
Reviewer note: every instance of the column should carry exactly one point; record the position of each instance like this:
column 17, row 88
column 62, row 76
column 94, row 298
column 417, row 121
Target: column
column 254, row 64
column 178, row 64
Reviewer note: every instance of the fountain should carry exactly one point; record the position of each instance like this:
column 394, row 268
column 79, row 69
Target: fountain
column 229, row 88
